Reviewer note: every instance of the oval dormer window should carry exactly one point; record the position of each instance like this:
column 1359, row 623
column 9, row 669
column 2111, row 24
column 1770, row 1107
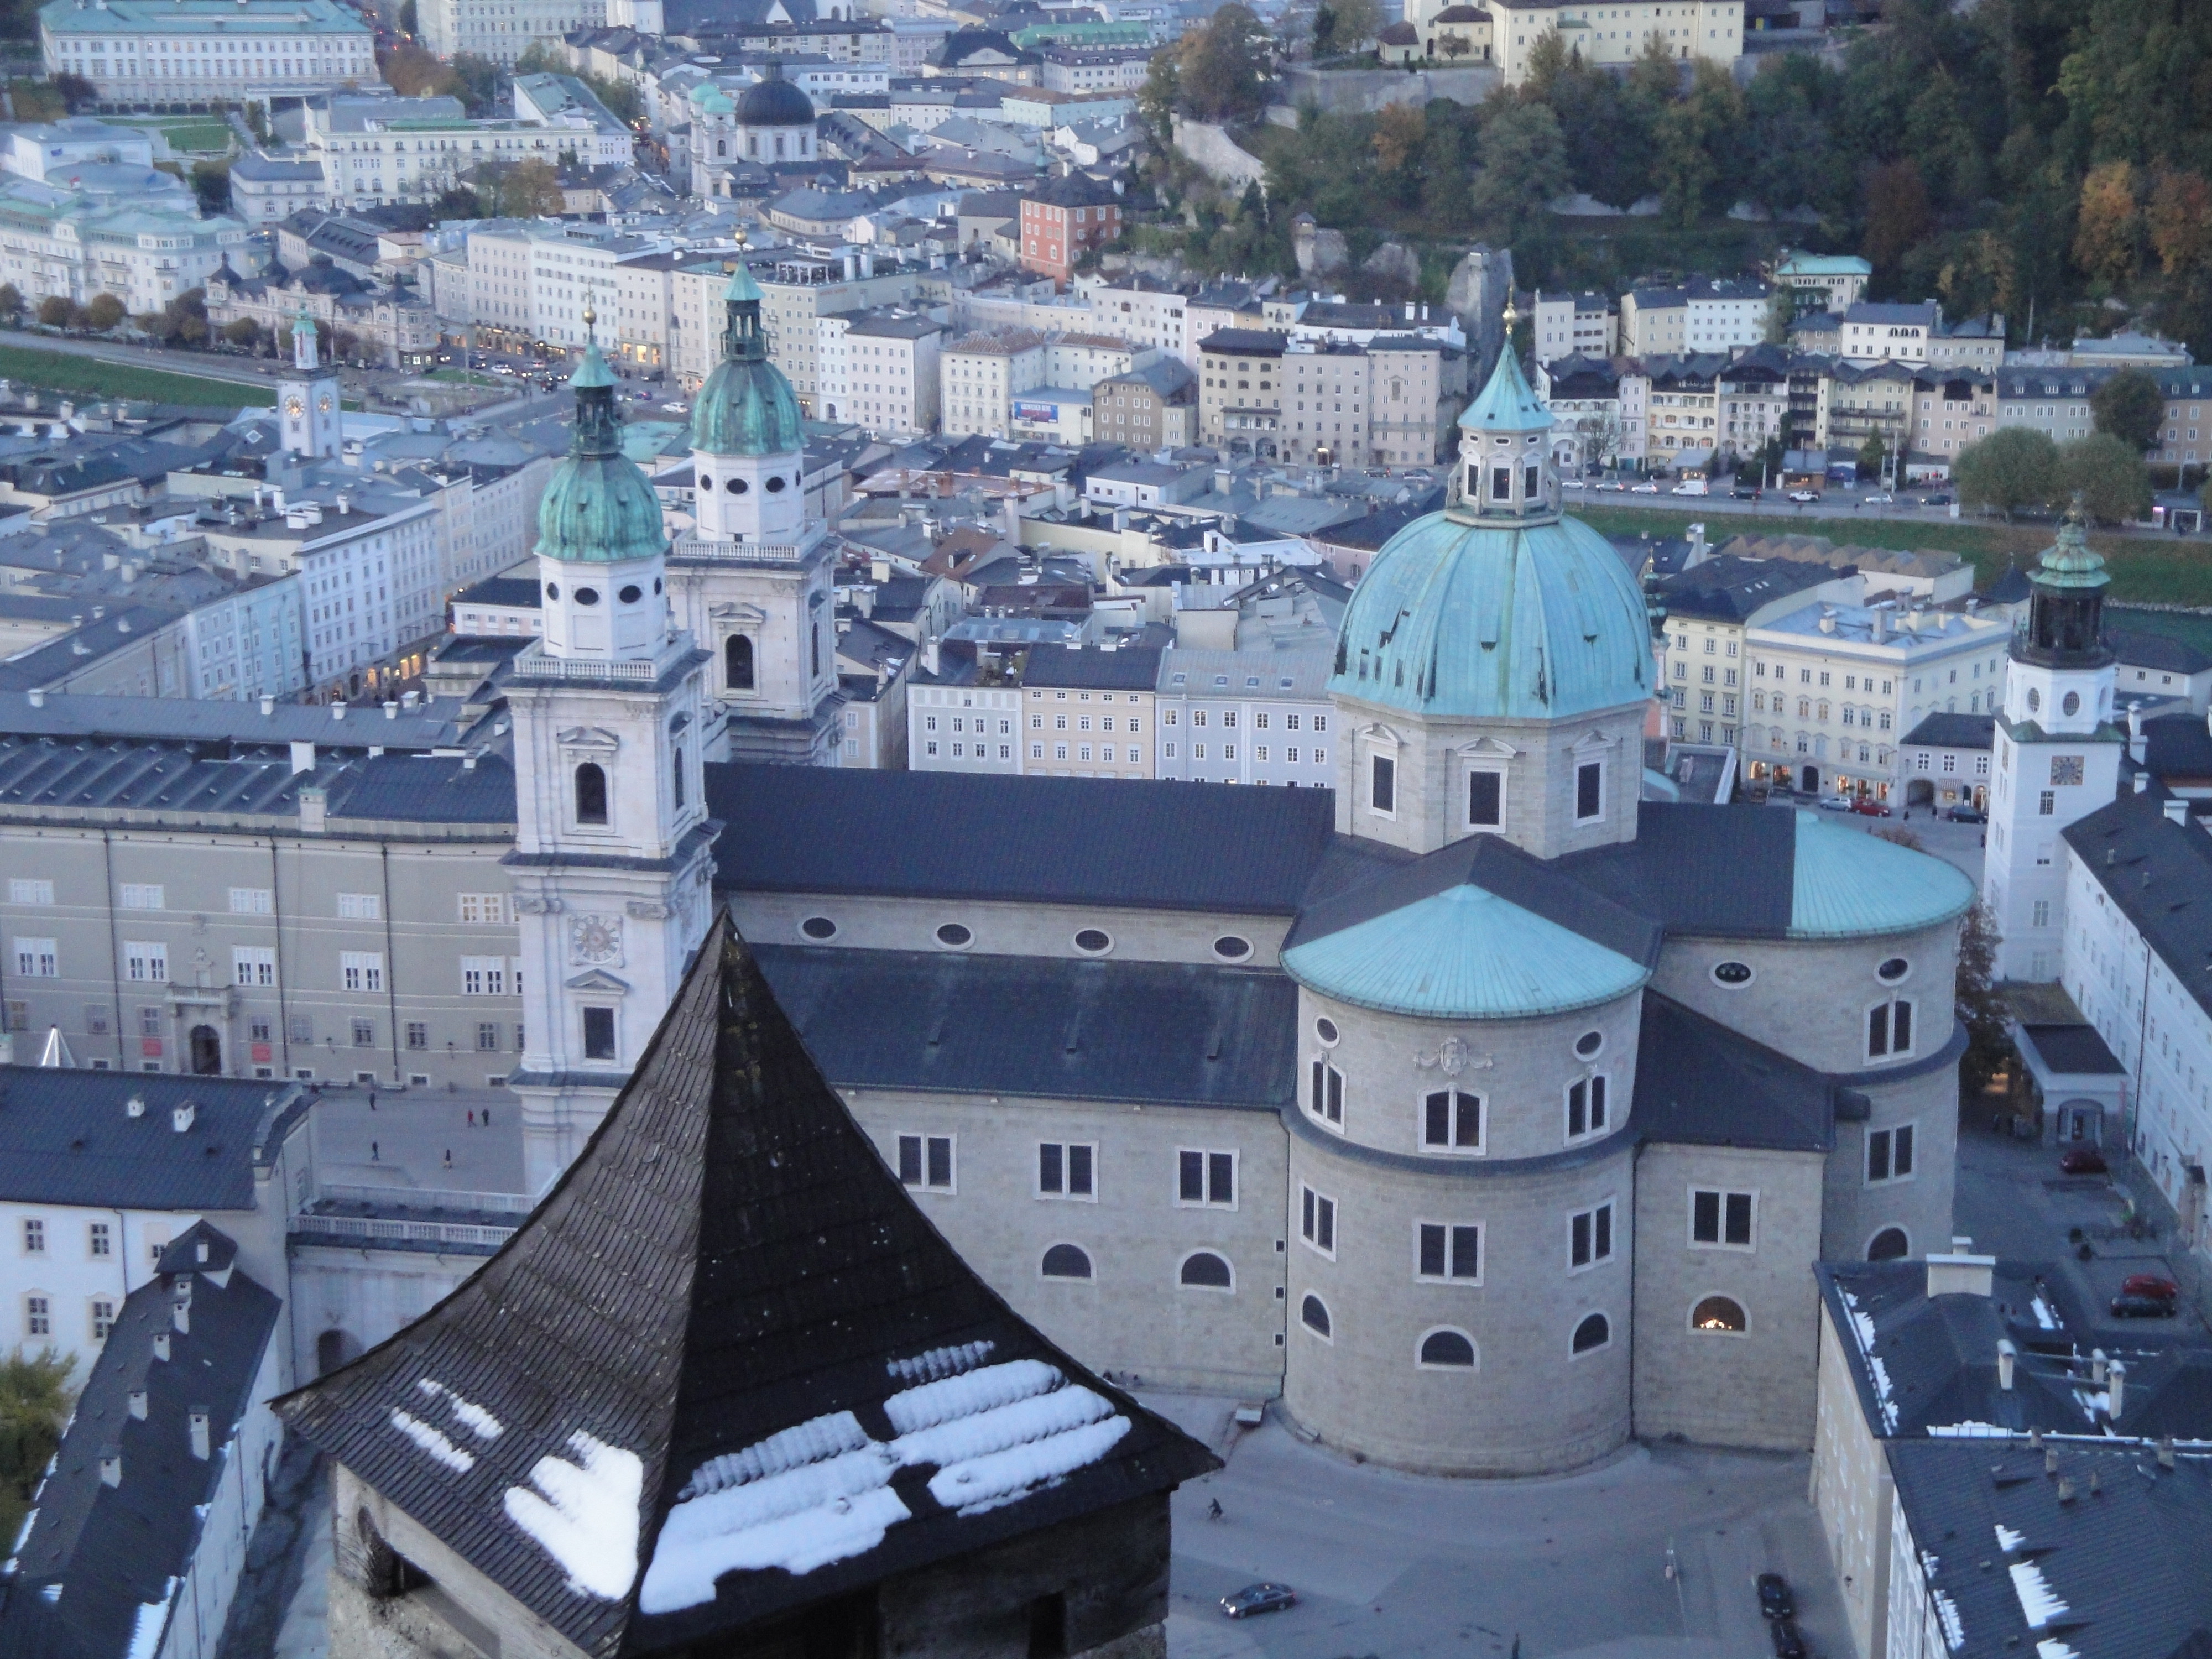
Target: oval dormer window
column 953, row 937
column 1892, row 971
column 1732, row 973
column 1325, row 1028
column 818, row 928
column 2034, row 700
column 773, row 485
column 587, row 596
column 1094, row 941
column 631, row 594
column 706, row 483
column 738, row 486
column 1230, row 947
column 2071, row 703
column 552, row 590
column 1588, row 1044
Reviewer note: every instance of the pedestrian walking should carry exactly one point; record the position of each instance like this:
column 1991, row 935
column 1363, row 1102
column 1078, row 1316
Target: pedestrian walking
column 375, row 1155
column 473, row 1117
column 449, row 1158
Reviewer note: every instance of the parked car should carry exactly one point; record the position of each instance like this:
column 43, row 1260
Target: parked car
column 1744, row 492
column 1878, row 498
column 1614, row 484
column 1941, row 498
column 1692, row 487
column 2082, row 1160
column 1803, row 496
column 1644, row 490
column 1774, row 1598
column 1788, row 1644
column 1258, row 1598
column 2152, row 1285
column 2141, row 1307
column 1835, row 804
column 1962, row 813
column 1867, row 808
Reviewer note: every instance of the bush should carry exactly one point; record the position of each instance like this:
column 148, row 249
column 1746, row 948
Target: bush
column 55, row 311
column 11, row 300
column 243, row 331
column 34, row 1403
column 105, row 311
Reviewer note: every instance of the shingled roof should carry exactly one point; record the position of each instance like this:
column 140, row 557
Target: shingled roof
column 727, row 1369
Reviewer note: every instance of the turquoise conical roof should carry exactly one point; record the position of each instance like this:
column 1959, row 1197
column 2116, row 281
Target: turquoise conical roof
column 747, row 407
column 599, row 509
column 2070, row 562
column 1508, row 404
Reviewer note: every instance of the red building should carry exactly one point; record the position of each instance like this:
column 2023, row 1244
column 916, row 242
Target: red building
column 1064, row 219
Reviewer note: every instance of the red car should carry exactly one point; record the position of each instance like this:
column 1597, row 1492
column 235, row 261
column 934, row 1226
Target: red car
column 2082, row 1160
column 1867, row 808
column 2155, row 1285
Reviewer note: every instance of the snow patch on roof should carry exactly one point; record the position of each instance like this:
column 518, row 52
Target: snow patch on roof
column 927, row 1367
column 1969, row 1431
column 2051, row 1647
column 2044, row 1315
column 964, row 1396
column 1862, row 1328
column 985, row 1483
column 797, row 1519
column 2007, row 1539
column 152, row 1622
column 470, row 1415
column 2038, row 1603
column 1946, row 1611
column 433, row 1442
column 810, row 1442
column 585, row 1514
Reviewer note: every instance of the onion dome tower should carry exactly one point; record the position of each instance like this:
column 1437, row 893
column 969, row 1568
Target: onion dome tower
column 1495, row 664
column 747, row 441
column 2057, row 751
column 776, row 119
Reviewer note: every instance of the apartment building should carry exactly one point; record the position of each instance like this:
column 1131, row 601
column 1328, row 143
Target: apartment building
column 1567, row 324
column 1708, row 314
column 1240, row 395
column 1950, row 410
column 198, row 52
column 1875, row 330
column 1087, row 711
column 1863, row 401
column 980, row 375
column 1583, row 394
column 879, row 369
column 1252, row 717
column 503, row 32
column 1141, row 311
column 796, row 288
column 1094, row 68
column 1616, row 35
column 1754, row 393
column 2184, row 441
column 1823, row 281
column 1417, row 387
column 1682, row 399
column 1327, row 407
column 642, row 310
column 1703, row 666
column 1063, row 221
column 144, row 253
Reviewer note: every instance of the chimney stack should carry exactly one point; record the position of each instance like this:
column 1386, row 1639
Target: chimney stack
column 2116, row 1390
column 138, row 1403
column 161, row 1344
column 2007, row 1357
column 303, row 756
column 180, row 1117
column 2177, row 812
column 111, row 1468
column 201, row 1448
column 268, row 705
column 314, row 810
column 1959, row 1274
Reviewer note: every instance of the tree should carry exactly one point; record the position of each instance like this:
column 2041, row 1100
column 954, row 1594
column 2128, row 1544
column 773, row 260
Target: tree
column 459, row 202
column 2109, row 475
column 1161, row 96
column 1524, row 166
column 1896, row 213
column 410, row 18
column 2130, row 406
column 105, row 311
column 2180, row 219
column 34, row 1407
column 1225, row 65
column 242, row 332
column 1400, row 132
column 11, row 300
column 75, row 92
column 2014, row 466
column 1357, row 22
column 539, row 58
column 1872, row 453
column 55, row 311
column 211, row 185
column 1982, row 1011
column 412, row 72
column 2107, row 227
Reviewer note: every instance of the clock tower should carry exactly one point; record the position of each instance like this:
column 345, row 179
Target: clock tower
column 308, row 400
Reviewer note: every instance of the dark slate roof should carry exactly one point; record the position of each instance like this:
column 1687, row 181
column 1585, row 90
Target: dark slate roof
column 1140, row 843
column 68, row 1137
column 2177, row 746
column 435, row 788
column 1699, row 1082
column 2011, row 588
column 522, row 591
column 959, row 1023
column 1729, row 587
column 1947, row 731
column 432, row 725
column 114, row 1553
column 2158, row 874
column 727, row 1284
column 2122, row 1545
column 2160, row 651
column 1701, row 871
column 1087, row 668
column 2074, row 1050
column 1367, row 534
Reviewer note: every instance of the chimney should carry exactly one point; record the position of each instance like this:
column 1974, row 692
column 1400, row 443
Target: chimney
column 2116, row 1390
column 314, row 810
column 338, row 711
column 180, row 1305
column 1960, row 1275
column 136, row 1106
column 303, row 754
column 2135, row 746
column 2178, row 812
column 138, row 1403
column 161, row 1344
column 268, row 707
column 1827, row 621
column 390, row 709
column 180, row 1117
column 2007, row 1357
column 2099, row 1367
column 111, row 1468
column 1879, row 618
column 201, row 1449
column 38, row 696
column 2142, row 782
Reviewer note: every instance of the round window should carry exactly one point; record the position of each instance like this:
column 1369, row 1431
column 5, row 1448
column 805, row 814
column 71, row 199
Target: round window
column 1093, row 941
column 1732, row 973
column 552, row 590
column 738, row 486
column 656, row 584
column 774, row 485
column 1325, row 1028
column 954, row 936
column 2034, row 700
column 706, row 483
column 1230, row 948
column 631, row 594
column 1588, row 1043
column 1892, row 971
column 2071, row 704
column 818, row 928
column 587, row 596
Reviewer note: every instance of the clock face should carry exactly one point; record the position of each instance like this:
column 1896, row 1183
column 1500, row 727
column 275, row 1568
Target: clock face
column 294, row 408
column 323, row 403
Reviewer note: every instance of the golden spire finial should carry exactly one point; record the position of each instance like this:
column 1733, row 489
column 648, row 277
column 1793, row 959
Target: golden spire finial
column 1512, row 315
column 739, row 239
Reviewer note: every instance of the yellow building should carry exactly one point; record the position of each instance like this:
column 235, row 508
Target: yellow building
column 1616, row 33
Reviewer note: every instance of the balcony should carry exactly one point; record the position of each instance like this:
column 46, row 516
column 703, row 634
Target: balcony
column 693, row 547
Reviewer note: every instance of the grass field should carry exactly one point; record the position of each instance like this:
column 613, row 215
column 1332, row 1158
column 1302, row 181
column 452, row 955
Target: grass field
column 58, row 371
column 2149, row 570
column 193, row 133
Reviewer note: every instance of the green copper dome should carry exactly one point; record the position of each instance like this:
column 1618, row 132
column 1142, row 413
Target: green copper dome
column 746, row 407
column 598, row 508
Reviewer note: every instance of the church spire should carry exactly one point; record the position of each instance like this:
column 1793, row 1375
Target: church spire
column 2066, row 602
column 1505, row 463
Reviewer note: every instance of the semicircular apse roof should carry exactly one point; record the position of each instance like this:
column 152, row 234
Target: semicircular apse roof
column 1846, row 883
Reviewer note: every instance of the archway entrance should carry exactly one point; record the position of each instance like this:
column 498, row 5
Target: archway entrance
column 2081, row 1123
column 207, row 1052
column 332, row 1350
column 1920, row 792
column 1811, row 776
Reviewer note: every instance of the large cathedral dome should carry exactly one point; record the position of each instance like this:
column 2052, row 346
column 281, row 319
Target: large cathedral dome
column 599, row 509
column 747, row 407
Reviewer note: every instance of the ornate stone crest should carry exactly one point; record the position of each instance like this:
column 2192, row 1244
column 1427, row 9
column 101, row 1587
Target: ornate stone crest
column 1452, row 1057
column 596, row 941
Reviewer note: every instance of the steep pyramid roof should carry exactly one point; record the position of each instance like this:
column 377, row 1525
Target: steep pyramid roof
column 727, row 1369
column 1507, row 404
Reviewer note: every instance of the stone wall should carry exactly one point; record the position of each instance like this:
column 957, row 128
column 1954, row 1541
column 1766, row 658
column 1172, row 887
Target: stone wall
column 1212, row 147
column 1363, row 91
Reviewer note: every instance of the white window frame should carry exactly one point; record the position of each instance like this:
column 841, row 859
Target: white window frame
column 1597, row 816
column 1229, row 1289
column 361, row 907
column 1066, row 1195
column 484, row 976
column 1387, row 753
column 252, row 967
column 1887, row 1136
column 1323, row 1079
column 1886, row 1005
column 1089, row 1260
column 1597, row 1115
column 143, row 896
column 1467, row 799
column 251, row 902
column 1457, row 1096
column 1323, row 1218
column 922, row 1139
column 1327, row 1312
column 1422, row 1341
column 1580, row 1319
column 1611, row 1243
column 1720, row 1241
column 1207, row 1155
column 1448, row 1277
column 361, row 972
column 37, row 959
column 145, row 962
column 29, row 890
column 1690, row 1313
column 487, row 909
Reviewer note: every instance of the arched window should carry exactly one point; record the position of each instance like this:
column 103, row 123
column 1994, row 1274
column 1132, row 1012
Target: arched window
column 818, row 650
column 1717, row 1313
column 590, row 794
column 738, row 662
column 1447, row 1348
column 1066, row 1261
column 1203, row 1270
column 1594, row 1332
column 679, row 777
column 721, row 147
column 1890, row 1244
column 1313, row 1313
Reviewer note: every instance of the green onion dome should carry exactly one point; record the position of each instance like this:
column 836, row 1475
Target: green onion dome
column 598, row 508
column 747, row 406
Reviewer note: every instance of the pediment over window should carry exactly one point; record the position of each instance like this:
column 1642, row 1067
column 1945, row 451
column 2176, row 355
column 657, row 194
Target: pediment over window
column 597, row 979
column 590, row 738
column 1380, row 736
column 1489, row 748
column 738, row 614
column 1595, row 742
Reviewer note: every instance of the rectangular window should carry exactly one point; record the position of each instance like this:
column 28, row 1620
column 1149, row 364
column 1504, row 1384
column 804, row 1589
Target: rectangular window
column 1889, row 1155
column 146, row 961
column 2041, row 913
column 2046, row 802
column 361, row 970
column 1447, row 1253
column 300, row 1028
column 1205, row 1177
column 1590, row 791
column 103, row 1318
column 600, row 1034
column 1451, row 1121
column 361, row 907
column 35, row 1237
column 1485, row 800
column 1317, row 1220
column 1721, row 1218
column 1327, row 1098
column 483, row 906
column 1889, row 1029
column 100, row 1240
column 418, row 1035
column 38, row 1316
column 925, row 1161
column 1586, row 1107
column 253, row 965
column 1589, row 1236
column 1383, row 785
column 488, row 1036
column 37, row 959
column 1064, row 1168
column 364, row 1034
column 251, row 900
column 484, row 976
column 143, row 896
column 22, row 891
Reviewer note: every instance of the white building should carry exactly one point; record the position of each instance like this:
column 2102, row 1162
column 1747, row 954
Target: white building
column 980, row 375
column 145, row 253
column 954, row 725
column 248, row 644
column 1140, row 312
column 504, row 34
column 879, row 369
column 1254, row 716
column 195, row 51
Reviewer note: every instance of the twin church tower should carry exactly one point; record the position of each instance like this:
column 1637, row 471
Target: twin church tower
column 654, row 659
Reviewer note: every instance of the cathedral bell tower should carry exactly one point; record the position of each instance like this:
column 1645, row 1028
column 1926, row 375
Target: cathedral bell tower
column 307, row 399
column 752, row 580
column 611, row 864
column 2057, row 751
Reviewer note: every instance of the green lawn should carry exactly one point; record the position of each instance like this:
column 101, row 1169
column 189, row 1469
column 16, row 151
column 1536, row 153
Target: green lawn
column 196, row 133
column 2148, row 569
column 58, row 371
column 2185, row 626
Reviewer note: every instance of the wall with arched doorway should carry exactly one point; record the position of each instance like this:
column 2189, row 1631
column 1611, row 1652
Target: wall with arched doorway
column 204, row 1045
